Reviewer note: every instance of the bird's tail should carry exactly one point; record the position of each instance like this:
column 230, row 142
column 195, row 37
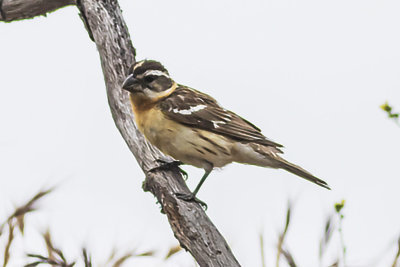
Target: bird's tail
column 290, row 167
column 267, row 156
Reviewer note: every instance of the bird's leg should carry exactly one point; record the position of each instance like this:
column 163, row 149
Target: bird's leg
column 203, row 179
column 168, row 165
column 192, row 196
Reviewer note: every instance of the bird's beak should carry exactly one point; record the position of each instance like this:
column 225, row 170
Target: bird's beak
column 128, row 83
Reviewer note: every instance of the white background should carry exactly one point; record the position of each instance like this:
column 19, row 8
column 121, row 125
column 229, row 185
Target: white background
column 311, row 74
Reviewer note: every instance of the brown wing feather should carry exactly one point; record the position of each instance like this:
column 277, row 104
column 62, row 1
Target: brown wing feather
column 179, row 107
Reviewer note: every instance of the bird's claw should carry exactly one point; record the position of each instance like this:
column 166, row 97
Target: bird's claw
column 168, row 165
column 184, row 174
column 191, row 198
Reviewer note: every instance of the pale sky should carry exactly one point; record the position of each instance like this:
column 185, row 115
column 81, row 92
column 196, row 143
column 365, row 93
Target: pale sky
column 310, row 74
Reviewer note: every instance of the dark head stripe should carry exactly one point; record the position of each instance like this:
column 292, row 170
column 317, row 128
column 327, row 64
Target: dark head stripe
column 143, row 66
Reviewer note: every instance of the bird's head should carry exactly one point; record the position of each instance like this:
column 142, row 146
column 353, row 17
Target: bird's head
column 150, row 80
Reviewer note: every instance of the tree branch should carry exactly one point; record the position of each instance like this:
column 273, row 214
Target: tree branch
column 190, row 224
column 24, row 9
column 106, row 27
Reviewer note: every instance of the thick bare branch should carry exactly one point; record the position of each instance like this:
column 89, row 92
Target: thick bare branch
column 24, row 9
column 190, row 224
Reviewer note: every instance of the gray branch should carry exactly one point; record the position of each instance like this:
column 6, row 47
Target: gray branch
column 191, row 226
column 24, row 9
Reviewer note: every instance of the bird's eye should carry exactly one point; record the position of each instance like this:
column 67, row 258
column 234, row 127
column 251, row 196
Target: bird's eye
column 149, row 79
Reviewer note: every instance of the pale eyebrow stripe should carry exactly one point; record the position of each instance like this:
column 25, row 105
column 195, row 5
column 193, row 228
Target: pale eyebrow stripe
column 138, row 65
column 156, row 72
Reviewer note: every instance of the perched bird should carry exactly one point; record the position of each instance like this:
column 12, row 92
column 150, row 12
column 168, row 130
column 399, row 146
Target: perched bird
column 194, row 129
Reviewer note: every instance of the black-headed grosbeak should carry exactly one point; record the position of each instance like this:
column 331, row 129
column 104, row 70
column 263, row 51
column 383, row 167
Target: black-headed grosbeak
column 193, row 128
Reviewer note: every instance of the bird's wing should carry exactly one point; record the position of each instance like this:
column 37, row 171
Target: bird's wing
column 195, row 109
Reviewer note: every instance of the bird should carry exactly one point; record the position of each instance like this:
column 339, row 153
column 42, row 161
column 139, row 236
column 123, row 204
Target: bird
column 194, row 129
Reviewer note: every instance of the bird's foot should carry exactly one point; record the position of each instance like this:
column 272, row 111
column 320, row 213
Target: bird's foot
column 191, row 198
column 169, row 165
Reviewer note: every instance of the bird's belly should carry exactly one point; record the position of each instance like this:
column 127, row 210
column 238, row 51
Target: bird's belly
column 198, row 148
column 191, row 146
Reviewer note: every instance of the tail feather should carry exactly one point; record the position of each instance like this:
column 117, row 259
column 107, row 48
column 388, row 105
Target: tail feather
column 302, row 173
column 267, row 156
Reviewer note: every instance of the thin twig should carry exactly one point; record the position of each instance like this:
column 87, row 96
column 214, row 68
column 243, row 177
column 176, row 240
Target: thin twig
column 326, row 237
column 45, row 260
column 86, row 258
column 263, row 264
column 122, row 259
column 17, row 219
column 339, row 207
column 172, row 251
column 396, row 259
column 289, row 258
column 55, row 256
column 283, row 235
column 119, row 261
column 21, row 211
column 11, row 228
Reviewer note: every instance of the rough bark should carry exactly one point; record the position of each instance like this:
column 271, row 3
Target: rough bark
column 24, row 9
column 190, row 224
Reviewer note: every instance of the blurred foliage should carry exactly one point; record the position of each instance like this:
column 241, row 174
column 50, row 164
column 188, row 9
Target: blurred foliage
column 262, row 250
column 339, row 211
column 339, row 206
column 173, row 251
column 396, row 259
column 389, row 111
column 326, row 238
column 54, row 256
column 282, row 250
column 17, row 220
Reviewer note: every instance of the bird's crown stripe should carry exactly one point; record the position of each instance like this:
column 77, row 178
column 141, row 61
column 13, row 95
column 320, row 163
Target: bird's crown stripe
column 156, row 72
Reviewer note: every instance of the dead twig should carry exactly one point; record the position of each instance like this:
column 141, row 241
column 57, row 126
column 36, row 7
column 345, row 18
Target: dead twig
column 45, row 260
column 17, row 219
column 283, row 235
column 172, row 251
column 263, row 264
column 396, row 258
column 289, row 258
column 326, row 237
column 11, row 228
